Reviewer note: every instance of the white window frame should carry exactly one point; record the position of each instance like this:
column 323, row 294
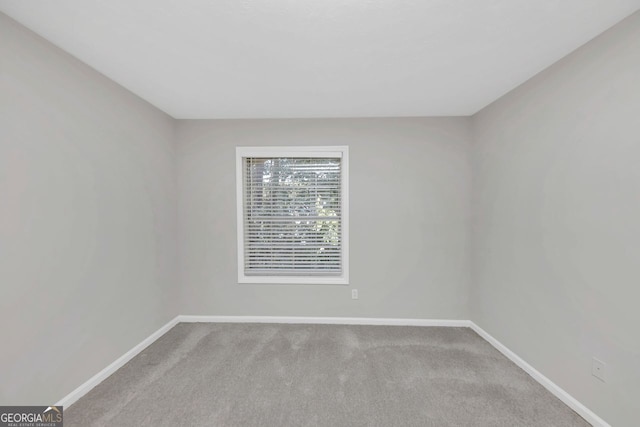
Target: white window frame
column 341, row 152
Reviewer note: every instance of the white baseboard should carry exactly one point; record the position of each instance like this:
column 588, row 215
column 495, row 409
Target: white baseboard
column 565, row 397
column 84, row 388
column 325, row 320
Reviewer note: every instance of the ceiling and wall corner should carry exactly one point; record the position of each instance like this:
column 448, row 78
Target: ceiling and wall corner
column 199, row 59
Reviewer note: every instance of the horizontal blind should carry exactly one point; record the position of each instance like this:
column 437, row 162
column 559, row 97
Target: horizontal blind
column 292, row 216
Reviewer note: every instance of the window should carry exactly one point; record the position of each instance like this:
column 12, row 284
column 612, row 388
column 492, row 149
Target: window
column 292, row 214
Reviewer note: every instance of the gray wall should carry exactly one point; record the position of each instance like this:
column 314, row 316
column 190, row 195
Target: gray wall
column 409, row 237
column 87, row 198
column 557, row 221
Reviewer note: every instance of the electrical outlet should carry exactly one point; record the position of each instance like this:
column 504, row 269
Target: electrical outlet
column 598, row 369
column 354, row 294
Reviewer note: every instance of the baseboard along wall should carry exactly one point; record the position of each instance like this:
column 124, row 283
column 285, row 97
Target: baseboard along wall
column 84, row 388
column 326, row 320
column 556, row 390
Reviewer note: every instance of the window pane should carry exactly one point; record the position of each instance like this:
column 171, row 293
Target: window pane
column 292, row 216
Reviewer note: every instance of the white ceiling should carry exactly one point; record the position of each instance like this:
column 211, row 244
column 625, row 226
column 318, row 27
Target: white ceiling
column 319, row 58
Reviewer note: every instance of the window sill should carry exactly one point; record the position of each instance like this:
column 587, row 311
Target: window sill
column 292, row 280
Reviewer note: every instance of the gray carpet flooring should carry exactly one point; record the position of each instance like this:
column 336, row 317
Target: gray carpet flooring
column 319, row 375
